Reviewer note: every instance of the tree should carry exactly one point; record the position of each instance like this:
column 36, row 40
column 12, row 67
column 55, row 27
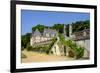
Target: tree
column 25, row 39
column 58, row 27
column 39, row 27
column 75, row 50
column 67, row 30
column 80, row 25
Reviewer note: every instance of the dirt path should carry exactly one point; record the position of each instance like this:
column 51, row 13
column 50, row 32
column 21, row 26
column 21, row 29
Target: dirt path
column 38, row 57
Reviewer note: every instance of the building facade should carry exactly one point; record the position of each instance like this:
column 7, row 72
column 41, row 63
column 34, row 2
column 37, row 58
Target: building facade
column 81, row 38
column 38, row 37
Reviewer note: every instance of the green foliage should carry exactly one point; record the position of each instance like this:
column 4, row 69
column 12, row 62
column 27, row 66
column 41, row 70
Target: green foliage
column 39, row 27
column 67, row 30
column 75, row 50
column 77, row 26
column 42, row 48
column 62, row 39
column 58, row 27
column 29, row 48
column 50, row 46
column 25, row 39
column 80, row 52
column 80, row 25
column 71, row 54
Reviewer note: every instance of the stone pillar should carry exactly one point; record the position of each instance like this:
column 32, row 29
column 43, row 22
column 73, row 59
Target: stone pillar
column 70, row 30
column 64, row 31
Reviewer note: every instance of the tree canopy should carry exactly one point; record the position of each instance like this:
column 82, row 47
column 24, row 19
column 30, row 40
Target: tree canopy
column 25, row 39
column 39, row 27
column 80, row 25
column 76, row 26
column 58, row 27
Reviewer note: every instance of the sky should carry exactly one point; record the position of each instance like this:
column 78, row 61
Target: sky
column 30, row 18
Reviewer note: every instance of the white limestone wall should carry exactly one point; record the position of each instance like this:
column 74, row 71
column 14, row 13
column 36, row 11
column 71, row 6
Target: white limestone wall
column 86, row 44
column 55, row 50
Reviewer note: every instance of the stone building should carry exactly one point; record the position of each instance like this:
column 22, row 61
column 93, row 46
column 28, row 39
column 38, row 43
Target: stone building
column 81, row 38
column 38, row 37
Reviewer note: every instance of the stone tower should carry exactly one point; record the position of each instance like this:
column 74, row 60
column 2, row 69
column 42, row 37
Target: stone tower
column 70, row 30
column 64, row 31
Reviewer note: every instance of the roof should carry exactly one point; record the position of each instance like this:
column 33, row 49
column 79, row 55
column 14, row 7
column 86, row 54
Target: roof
column 85, row 30
column 81, row 38
column 49, row 31
column 81, row 35
column 36, row 33
column 46, row 31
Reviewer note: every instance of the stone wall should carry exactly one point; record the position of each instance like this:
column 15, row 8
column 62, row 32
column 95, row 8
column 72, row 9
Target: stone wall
column 85, row 43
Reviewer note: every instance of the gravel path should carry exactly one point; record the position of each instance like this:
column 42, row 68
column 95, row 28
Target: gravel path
column 38, row 57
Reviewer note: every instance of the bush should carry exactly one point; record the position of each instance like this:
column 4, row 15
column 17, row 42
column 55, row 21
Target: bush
column 50, row 46
column 75, row 50
column 80, row 52
column 29, row 48
column 71, row 54
column 42, row 48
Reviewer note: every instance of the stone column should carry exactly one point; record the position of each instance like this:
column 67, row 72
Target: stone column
column 64, row 31
column 70, row 30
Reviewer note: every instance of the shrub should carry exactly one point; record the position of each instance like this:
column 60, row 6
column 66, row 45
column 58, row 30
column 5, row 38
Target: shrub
column 75, row 50
column 71, row 54
column 50, row 46
column 80, row 52
column 42, row 48
column 29, row 48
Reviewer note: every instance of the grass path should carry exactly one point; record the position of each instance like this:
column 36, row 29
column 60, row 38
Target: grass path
column 38, row 57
